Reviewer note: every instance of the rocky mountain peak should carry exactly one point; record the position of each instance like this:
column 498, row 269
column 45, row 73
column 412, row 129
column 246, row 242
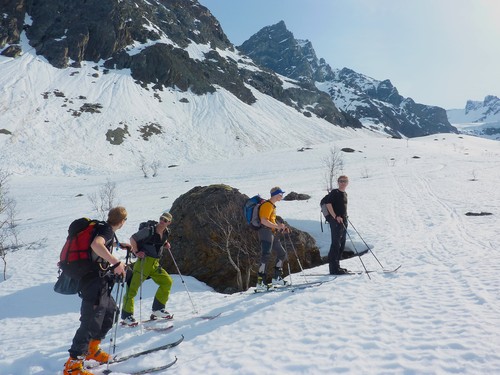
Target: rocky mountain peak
column 377, row 104
column 276, row 48
column 480, row 118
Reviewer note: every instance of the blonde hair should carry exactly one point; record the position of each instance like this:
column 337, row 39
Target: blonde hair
column 116, row 215
column 167, row 216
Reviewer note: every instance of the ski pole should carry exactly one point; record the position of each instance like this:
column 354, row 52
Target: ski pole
column 289, row 271
column 354, row 246
column 297, row 256
column 368, row 247
column 119, row 294
column 140, row 292
column 195, row 311
column 288, row 263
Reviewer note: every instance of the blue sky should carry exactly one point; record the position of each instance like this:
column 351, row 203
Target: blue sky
column 438, row 52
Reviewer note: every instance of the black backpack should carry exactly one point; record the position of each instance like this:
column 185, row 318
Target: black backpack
column 324, row 215
column 151, row 224
column 322, row 205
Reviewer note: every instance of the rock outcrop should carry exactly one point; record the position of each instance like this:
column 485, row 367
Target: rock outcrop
column 212, row 242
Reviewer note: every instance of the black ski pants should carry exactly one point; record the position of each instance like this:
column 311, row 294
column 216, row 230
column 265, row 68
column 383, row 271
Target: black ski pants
column 338, row 233
column 96, row 313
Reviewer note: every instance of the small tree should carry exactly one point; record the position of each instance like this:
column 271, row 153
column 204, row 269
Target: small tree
column 365, row 173
column 104, row 200
column 143, row 166
column 8, row 231
column 334, row 163
column 155, row 165
column 474, row 175
column 147, row 168
column 232, row 239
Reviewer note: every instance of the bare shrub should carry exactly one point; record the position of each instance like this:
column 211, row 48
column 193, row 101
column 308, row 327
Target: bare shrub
column 8, row 232
column 144, row 166
column 334, row 163
column 104, row 200
column 231, row 238
column 155, row 165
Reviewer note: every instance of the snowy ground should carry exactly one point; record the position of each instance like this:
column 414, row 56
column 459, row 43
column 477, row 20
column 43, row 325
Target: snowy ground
column 438, row 315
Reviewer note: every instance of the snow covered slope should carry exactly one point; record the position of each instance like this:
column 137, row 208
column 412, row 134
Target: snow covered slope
column 90, row 120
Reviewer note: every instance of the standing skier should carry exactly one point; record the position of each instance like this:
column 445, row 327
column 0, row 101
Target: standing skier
column 98, row 306
column 336, row 204
column 148, row 244
column 269, row 241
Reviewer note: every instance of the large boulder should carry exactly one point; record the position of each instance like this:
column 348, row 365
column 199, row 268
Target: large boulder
column 212, row 242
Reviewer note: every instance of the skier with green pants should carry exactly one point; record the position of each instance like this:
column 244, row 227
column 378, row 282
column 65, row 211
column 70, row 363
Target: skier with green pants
column 147, row 244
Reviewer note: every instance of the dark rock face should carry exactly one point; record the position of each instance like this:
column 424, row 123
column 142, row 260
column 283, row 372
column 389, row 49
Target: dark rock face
column 209, row 226
column 11, row 25
column 358, row 96
column 69, row 32
column 96, row 29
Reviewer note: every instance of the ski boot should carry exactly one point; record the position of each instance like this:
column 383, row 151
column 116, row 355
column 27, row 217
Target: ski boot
column 261, row 287
column 161, row 314
column 95, row 352
column 74, row 366
column 129, row 321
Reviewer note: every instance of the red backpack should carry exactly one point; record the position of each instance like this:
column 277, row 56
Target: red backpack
column 76, row 255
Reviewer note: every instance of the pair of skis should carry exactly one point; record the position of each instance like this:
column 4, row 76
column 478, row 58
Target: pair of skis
column 155, row 349
column 148, row 327
column 376, row 271
column 291, row 287
column 272, row 288
column 169, row 345
column 382, row 271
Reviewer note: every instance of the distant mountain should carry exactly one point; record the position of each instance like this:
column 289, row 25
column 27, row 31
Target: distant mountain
column 478, row 118
column 377, row 104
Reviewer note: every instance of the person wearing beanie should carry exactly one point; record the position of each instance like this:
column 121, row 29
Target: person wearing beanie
column 268, row 240
column 148, row 244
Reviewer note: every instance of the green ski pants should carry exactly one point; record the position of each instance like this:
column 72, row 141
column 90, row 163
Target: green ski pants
column 150, row 268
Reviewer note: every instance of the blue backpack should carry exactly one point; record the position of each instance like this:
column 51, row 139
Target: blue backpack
column 251, row 211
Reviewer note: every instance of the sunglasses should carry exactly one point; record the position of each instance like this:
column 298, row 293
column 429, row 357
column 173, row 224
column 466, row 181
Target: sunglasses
column 344, row 181
column 165, row 220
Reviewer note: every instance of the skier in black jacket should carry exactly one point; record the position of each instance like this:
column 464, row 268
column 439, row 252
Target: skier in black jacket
column 98, row 306
column 337, row 208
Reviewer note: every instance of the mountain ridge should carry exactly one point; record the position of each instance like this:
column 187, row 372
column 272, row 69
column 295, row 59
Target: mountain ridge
column 480, row 118
column 376, row 104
